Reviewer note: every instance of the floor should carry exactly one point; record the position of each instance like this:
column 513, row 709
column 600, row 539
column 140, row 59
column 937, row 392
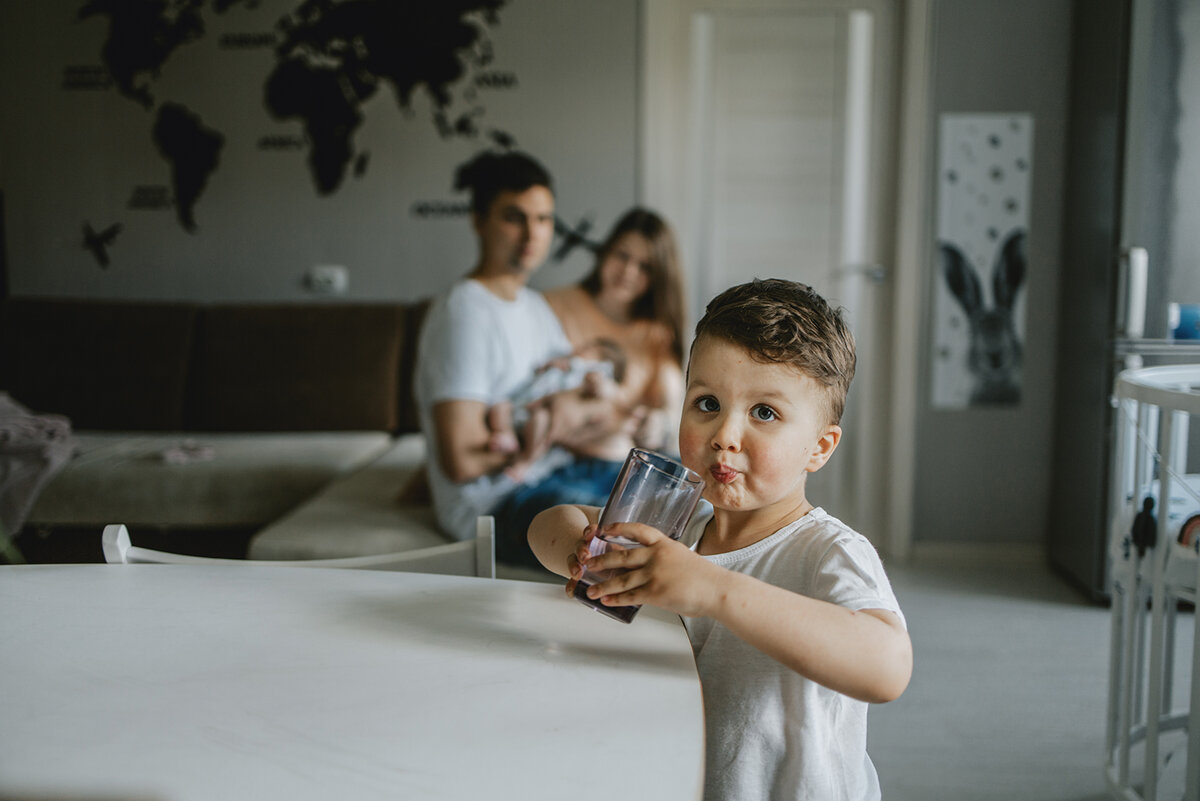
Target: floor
column 1010, row 683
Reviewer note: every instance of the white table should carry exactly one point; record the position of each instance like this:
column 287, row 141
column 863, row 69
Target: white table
column 184, row 682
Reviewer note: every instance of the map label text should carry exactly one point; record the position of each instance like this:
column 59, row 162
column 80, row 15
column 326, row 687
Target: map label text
column 496, row 80
column 86, row 77
column 281, row 142
column 246, row 41
column 150, row 197
column 439, row 208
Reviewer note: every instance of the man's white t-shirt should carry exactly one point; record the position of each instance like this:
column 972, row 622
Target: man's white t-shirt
column 771, row 733
column 477, row 346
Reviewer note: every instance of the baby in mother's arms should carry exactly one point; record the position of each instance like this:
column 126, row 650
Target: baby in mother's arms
column 526, row 426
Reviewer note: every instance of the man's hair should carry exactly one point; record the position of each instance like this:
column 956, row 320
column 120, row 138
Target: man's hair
column 785, row 322
column 490, row 173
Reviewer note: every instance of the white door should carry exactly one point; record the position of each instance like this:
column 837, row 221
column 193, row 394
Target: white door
column 768, row 141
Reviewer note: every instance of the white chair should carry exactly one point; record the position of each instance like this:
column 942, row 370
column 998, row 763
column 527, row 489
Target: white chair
column 475, row 557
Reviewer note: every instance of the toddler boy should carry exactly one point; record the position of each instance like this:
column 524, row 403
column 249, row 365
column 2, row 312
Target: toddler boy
column 792, row 620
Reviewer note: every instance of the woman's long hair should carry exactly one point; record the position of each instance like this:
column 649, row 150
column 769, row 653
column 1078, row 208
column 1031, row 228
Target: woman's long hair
column 663, row 301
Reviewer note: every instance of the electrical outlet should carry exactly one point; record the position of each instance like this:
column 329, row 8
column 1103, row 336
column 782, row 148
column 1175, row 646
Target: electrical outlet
column 328, row 279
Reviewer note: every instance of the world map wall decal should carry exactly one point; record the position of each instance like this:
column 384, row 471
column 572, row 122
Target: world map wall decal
column 330, row 58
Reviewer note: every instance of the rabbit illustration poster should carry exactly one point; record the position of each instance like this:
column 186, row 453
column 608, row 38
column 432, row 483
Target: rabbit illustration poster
column 979, row 268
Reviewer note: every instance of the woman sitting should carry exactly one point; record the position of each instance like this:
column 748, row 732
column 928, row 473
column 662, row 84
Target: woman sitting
column 634, row 297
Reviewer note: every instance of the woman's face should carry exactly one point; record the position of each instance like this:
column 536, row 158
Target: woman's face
column 625, row 271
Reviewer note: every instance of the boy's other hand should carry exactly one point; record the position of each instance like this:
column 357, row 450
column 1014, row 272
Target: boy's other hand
column 574, row 566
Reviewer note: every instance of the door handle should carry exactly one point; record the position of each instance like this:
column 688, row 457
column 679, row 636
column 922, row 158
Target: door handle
column 1135, row 265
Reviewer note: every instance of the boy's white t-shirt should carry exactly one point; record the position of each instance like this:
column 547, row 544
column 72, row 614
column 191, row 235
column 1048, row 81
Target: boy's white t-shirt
column 771, row 733
column 477, row 346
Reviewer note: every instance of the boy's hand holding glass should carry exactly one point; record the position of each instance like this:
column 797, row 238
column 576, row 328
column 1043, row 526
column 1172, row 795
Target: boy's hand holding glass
column 651, row 489
column 663, row 572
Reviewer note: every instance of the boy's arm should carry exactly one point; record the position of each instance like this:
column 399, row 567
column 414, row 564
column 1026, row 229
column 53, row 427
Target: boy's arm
column 555, row 534
column 866, row 655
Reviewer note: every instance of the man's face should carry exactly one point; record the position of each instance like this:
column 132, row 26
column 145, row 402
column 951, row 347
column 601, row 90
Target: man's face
column 515, row 235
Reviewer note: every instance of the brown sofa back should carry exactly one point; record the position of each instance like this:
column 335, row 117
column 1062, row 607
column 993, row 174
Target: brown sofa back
column 106, row 365
column 112, row 365
column 295, row 368
column 409, row 421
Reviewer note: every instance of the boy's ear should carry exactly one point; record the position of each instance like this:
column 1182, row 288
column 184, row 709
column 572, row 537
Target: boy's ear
column 826, row 444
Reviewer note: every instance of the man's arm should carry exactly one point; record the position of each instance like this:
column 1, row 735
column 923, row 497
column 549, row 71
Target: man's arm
column 462, row 434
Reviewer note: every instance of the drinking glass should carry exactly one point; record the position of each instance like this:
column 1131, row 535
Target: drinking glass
column 652, row 489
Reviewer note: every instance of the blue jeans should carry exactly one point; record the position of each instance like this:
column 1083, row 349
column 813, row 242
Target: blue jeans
column 586, row 482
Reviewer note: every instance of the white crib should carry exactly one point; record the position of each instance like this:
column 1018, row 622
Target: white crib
column 1154, row 411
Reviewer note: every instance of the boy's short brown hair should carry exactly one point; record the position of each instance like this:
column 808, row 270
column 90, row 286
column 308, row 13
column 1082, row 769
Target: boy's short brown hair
column 786, row 322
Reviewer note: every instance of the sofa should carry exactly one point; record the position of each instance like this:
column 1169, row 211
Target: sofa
column 278, row 431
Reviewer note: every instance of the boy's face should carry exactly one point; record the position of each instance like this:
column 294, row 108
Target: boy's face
column 752, row 430
column 515, row 235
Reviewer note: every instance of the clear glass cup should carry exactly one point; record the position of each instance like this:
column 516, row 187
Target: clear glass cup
column 652, row 489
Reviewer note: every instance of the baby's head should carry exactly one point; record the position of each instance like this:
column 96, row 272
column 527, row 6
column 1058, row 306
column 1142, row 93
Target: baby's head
column 605, row 350
column 784, row 322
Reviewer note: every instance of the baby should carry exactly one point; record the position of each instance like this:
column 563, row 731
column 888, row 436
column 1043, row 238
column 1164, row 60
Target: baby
column 524, row 425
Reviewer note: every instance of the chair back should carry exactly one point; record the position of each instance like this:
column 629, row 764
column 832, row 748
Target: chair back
column 475, row 557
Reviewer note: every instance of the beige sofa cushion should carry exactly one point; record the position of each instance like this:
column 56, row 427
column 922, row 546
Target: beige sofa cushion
column 356, row 515
column 222, row 480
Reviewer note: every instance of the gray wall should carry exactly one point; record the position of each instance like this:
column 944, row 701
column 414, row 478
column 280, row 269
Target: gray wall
column 1166, row 174
column 983, row 473
column 74, row 155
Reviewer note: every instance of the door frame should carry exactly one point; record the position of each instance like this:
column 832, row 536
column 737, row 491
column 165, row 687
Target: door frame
column 665, row 105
